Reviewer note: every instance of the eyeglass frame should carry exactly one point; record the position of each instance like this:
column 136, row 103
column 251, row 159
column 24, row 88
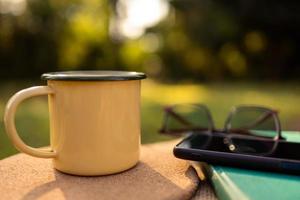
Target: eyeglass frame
column 226, row 131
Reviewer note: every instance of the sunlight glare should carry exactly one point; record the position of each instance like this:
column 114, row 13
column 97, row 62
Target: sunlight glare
column 15, row 7
column 141, row 14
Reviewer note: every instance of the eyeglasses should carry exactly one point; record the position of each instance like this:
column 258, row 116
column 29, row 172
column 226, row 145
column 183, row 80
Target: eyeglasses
column 248, row 129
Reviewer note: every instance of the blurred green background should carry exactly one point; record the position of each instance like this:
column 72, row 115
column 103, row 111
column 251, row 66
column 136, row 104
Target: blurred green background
column 221, row 53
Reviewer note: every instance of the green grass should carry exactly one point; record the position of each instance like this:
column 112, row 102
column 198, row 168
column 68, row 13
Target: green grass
column 32, row 116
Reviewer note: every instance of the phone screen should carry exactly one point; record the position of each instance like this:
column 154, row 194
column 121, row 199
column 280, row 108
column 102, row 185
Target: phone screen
column 215, row 142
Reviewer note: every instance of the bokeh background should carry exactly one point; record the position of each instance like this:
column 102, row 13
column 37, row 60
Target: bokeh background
column 218, row 52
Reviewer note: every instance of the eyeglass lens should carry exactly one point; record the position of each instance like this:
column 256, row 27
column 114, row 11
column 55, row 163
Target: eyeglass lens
column 252, row 121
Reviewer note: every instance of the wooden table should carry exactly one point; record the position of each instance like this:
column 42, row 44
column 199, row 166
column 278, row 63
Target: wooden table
column 159, row 175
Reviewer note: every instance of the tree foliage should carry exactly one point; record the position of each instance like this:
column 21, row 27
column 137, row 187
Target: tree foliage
column 217, row 39
column 198, row 40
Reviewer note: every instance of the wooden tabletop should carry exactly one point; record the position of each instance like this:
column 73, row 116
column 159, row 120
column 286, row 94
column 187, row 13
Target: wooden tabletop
column 159, row 175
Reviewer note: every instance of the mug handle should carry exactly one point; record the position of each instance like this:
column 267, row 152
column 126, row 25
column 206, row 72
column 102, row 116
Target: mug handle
column 9, row 120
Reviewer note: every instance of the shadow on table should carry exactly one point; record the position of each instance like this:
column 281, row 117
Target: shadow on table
column 141, row 182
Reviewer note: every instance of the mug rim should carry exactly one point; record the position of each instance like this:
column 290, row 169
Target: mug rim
column 94, row 75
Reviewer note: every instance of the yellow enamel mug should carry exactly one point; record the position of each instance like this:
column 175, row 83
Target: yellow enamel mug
column 94, row 120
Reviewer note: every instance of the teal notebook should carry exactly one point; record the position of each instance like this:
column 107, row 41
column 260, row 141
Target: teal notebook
column 236, row 183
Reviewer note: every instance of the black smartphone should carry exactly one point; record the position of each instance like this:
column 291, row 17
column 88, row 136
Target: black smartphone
column 211, row 148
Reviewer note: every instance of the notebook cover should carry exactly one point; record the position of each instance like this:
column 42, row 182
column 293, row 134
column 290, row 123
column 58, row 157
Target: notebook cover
column 236, row 183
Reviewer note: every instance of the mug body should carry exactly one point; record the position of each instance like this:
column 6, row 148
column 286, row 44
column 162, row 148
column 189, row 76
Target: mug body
column 95, row 125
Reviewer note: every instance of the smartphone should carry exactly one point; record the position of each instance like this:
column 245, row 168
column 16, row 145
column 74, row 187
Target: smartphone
column 211, row 148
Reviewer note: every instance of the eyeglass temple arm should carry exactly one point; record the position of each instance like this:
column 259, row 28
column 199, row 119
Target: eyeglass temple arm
column 259, row 120
column 168, row 110
column 183, row 121
column 178, row 117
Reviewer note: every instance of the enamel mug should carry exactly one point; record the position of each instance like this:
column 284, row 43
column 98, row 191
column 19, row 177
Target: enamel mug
column 94, row 121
